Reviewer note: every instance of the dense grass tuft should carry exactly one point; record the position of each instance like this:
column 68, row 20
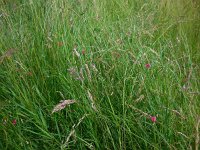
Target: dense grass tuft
column 131, row 66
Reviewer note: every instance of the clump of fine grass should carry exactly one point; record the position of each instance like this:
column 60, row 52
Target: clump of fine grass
column 130, row 68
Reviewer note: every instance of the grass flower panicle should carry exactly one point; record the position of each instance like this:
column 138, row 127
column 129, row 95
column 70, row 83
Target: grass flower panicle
column 62, row 105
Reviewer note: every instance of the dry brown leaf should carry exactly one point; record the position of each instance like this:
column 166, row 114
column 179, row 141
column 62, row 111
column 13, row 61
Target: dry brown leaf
column 88, row 72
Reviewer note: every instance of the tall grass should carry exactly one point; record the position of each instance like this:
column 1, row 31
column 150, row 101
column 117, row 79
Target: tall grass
column 116, row 92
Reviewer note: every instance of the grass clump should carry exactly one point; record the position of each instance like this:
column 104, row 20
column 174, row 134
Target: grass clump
column 129, row 68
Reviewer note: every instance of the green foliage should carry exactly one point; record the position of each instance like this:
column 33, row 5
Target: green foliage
column 115, row 40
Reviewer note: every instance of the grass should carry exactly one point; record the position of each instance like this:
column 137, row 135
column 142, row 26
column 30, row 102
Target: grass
column 116, row 93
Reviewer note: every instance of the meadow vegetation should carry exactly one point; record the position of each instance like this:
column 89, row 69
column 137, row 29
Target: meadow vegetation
column 128, row 68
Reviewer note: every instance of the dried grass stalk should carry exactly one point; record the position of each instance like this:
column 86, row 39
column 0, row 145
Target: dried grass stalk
column 183, row 135
column 92, row 100
column 76, row 52
column 175, row 112
column 73, row 71
column 139, row 99
column 140, row 111
column 72, row 132
column 88, row 72
column 81, row 73
column 197, row 141
column 94, row 68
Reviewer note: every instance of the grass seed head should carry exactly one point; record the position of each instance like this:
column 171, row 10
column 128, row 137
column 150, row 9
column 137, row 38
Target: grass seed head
column 62, row 105
column 76, row 52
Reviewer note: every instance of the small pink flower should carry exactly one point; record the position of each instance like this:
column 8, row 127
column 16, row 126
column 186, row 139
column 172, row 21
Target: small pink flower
column 148, row 66
column 14, row 122
column 153, row 119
